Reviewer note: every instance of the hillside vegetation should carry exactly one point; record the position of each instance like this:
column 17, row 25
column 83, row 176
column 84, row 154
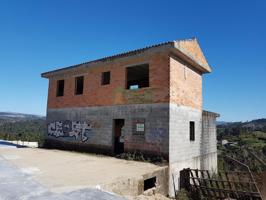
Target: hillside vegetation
column 16, row 126
column 251, row 134
column 236, row 128
column 241, row 140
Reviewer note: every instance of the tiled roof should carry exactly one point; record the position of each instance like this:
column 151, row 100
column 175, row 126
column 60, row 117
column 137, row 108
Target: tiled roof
column 172, row 44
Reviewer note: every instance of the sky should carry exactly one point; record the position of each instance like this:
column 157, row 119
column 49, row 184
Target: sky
column 38, row 36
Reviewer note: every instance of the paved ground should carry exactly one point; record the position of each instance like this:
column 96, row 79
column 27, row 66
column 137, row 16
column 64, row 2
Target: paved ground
column 54, row 174
column 18, row 185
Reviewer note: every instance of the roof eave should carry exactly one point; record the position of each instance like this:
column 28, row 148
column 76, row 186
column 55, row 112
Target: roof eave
column 44, row 75
column 205, row 112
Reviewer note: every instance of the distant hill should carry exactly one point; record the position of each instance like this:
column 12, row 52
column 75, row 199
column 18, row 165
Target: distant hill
column 221, row 123
column 254, row 124
column 236, row 128
column 6, row 117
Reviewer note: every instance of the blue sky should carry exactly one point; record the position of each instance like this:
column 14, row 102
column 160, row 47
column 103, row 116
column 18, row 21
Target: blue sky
column 38, row 36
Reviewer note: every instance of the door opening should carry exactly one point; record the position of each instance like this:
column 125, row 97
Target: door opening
column 118, row 136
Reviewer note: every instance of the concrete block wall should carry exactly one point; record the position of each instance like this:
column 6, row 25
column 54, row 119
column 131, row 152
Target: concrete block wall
column 209, row 141
column 180, row 145
column 100, row 133
column 183, row 153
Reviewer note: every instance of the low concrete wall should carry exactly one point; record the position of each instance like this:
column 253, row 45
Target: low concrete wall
column 162, row 176
column 135, row 186
column 25, row 143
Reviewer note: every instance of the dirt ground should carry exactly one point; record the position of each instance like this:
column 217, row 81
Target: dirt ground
column 152, row 197
column 62, row 171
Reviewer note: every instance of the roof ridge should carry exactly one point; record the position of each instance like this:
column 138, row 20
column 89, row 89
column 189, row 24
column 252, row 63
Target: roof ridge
column 186, row 39
column 130, row 52
column 174, row 44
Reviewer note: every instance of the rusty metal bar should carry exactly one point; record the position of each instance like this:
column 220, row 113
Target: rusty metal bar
column 210, row 180
column 223, row 185
column 224, row 181
column 206, row 181
column 198, row 178
column 227, row 186
column 251, row 175
column 255, row 194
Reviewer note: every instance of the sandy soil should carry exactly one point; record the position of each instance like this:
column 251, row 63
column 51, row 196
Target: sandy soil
column 151, row 197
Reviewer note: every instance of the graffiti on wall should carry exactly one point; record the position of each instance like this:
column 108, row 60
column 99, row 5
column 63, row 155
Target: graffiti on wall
column 73, row 129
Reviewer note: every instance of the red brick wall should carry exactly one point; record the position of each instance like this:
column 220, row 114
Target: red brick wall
column 185, row 85
column 192, row 47
column 95, row 94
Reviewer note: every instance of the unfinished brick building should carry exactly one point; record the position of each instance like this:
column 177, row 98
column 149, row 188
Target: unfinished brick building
column 147, row 100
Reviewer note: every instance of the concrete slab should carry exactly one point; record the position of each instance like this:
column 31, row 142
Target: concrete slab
column 55, row 173
column 18, row 185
